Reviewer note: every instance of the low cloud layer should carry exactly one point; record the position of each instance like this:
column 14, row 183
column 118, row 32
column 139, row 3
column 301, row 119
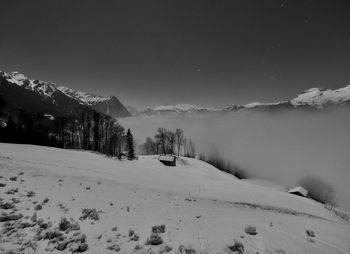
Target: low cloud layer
column 283, row 147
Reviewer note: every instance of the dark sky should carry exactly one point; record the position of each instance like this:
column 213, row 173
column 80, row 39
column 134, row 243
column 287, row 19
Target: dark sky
column 192, row 51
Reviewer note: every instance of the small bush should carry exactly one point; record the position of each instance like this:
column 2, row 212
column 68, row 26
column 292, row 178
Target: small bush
column 251, row 230
column 91, row 214
column 158, row 229
column 30, row 194
column 38, row 207
column 310, row 233
column 186, row 250
column 64, row 224
column 154, row 239
column 237, row 247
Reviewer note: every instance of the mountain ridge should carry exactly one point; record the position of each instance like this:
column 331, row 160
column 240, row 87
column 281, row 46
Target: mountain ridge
column 52, row 97
column 313, row 98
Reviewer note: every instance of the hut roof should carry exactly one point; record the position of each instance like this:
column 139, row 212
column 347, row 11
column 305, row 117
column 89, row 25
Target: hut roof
column 299, row 190
column 168, row 158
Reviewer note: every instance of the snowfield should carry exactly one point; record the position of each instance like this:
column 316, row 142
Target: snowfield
column 202, row 208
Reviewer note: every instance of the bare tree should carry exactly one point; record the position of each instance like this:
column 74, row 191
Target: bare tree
column 161, row 137
column 179, row 139
column 171, row 137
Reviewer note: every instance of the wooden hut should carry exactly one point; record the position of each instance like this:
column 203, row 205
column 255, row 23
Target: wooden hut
column 167, row 160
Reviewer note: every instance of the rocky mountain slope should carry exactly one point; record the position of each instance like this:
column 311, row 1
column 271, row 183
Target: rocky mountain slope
column 21, row 92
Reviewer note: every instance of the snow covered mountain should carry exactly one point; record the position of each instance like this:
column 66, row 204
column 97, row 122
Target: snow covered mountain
column 314, row 98
column 319, row 98
column 178, row 109
column 45, row 97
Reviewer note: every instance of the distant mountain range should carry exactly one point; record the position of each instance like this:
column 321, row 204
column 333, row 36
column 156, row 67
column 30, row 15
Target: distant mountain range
column 314, row 98
column 44, row 97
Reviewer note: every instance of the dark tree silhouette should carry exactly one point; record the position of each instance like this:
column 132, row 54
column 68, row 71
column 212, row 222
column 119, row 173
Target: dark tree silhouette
column 130, row 145
column 86, row 130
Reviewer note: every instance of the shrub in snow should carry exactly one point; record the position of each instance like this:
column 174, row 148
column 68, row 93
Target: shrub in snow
column 34, row 217
column 12, row 191
column 237, row 247
column 7, row 205
column 38, row 207
column 165, row 249
column 91, row 214
column 131, row 232
column 154, row 239
column 62, row 245
column 30, row 194
column 2, row 184
column 52, row 234
column 310, row 233
column 13, row 178
column 46, row 200
column 114, row 228
column 158, row 229
column 186, row 250
column 114, row 247
column 10, row 217
column 64, row 224
column 134, row 237
column 251, row 230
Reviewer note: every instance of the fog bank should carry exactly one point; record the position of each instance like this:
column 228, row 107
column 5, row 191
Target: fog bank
column 283, row 147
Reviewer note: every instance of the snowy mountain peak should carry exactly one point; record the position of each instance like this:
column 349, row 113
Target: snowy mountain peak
column 107, row 105
column 83, row 97
column 178, row 109
column 318, row 97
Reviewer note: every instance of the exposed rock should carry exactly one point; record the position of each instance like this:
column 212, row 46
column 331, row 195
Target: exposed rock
column 10, row 217
column 251, row 230
column 7, row 205
column 62, row 245
column 38, row 207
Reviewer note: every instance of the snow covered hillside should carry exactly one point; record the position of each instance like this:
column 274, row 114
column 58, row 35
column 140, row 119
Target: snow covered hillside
column 200, row 207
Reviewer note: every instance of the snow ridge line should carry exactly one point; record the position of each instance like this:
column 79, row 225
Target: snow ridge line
column 272, row 209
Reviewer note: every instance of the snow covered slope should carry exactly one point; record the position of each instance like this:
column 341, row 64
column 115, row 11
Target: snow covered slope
column 199, row 205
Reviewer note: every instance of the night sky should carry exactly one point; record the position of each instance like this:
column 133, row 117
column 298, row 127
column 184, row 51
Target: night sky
column 147, row 53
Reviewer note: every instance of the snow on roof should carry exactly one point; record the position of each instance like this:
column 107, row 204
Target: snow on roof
column 299, row 189
column 166, row 158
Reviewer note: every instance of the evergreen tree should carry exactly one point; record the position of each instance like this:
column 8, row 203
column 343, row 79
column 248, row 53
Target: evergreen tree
column 130, row 145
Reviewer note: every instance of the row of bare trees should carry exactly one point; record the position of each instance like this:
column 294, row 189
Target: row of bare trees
column 169, row 142
column 87, row 129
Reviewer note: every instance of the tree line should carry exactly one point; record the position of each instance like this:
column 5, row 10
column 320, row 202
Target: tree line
column 169, row 142
column 87, row 129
